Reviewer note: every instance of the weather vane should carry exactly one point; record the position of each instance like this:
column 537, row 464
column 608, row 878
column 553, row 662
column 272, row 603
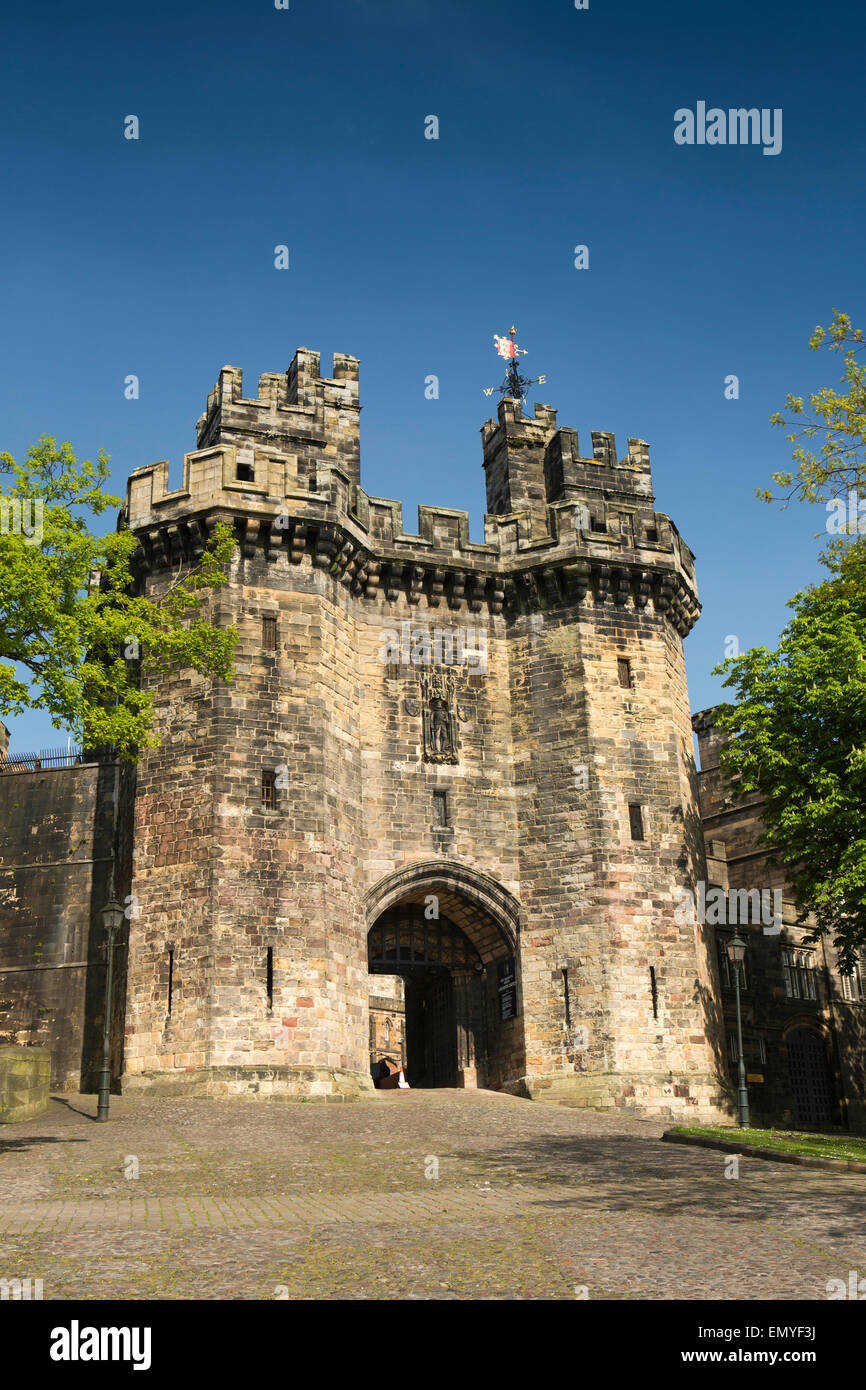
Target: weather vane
column 515, row 384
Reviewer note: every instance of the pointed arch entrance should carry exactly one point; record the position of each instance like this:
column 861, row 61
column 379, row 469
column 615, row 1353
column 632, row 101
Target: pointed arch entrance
column 449, row 935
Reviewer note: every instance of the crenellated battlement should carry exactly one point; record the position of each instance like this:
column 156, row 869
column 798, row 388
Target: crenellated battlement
column 300, row 408
column 530, row 464
column 283, row 468
column 513, row 428
column 301, row 385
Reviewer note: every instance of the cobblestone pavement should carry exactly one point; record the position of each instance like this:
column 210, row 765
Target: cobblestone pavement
column 238, row 1199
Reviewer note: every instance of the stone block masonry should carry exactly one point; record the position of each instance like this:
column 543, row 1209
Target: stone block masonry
column 369, row 798
column 25, row 1075
column 536, row 815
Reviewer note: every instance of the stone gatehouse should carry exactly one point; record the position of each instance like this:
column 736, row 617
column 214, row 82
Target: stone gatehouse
column 467, row 766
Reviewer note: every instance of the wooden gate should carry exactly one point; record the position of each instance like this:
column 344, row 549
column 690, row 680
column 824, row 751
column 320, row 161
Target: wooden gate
column 431, row 1031
column 471, row 1018
column 441, row 1031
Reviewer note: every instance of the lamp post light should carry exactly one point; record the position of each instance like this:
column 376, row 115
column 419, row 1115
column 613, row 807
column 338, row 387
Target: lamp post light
column 112, row 917
column 737, row 953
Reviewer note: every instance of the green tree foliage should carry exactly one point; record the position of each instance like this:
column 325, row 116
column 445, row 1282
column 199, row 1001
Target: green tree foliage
column 71, row 616
column 797, row 736
column 836, row 418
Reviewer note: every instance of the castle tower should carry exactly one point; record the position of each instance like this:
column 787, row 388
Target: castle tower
column 467, row 765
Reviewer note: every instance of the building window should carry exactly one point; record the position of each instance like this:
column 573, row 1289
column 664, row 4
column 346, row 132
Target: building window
column 269, row 790
column 726, row 965
column 269, row 633
column 654, row 991
column 596, row 524
column 798, row 968
column 245, row 473
column 387, row 1032
column 170, row 978
column 440, row 808
column 269, row 978
column 852, row 985
column 623, row 670
column 755, row 1048
column 635, row 820
column 652, row 535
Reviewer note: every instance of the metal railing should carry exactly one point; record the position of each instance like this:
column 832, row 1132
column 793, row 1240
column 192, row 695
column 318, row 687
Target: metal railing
column 49, row 758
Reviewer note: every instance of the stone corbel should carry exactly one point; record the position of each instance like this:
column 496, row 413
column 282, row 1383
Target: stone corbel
column 414, row 576
column 577, row 579
column 527, row 592
column 437, row 586
column 622, row 586
column 298, row 544
column 602, row 581
column 173, row 543
column 359, row 571
column 326, row 547
column 371, row 584
column 156, row 541
column 644, row 588
column 344, row 559
column 390, row 580
column 474, row 593
column 256, row 530
column 457, row 589
column 548, row 582
column 665, row 593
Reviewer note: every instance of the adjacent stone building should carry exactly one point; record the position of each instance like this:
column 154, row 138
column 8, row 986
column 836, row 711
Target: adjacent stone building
column 452, row 776
column 804, row 1023
column 387, row 1001
column 65, row 826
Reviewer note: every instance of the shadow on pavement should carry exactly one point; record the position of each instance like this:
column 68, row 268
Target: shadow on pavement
column 25, row 1142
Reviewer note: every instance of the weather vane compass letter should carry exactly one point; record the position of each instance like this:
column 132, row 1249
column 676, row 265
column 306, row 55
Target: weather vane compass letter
column 515, row 384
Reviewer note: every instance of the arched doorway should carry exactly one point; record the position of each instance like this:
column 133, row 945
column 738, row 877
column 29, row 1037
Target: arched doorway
column 448, row 936
column 443, row 981
column 811, row 1081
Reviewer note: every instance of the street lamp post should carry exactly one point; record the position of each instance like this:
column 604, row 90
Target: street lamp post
column 737, row 953
column 112, row 916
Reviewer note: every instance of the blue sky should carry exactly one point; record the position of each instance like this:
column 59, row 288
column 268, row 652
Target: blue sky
column 306, row 127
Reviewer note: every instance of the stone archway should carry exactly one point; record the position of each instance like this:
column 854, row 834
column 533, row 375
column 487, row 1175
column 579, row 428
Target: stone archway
column 450, row 935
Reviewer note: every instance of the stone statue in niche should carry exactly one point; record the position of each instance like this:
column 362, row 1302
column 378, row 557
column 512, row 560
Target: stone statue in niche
column 439, row 730
column 439, row 717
